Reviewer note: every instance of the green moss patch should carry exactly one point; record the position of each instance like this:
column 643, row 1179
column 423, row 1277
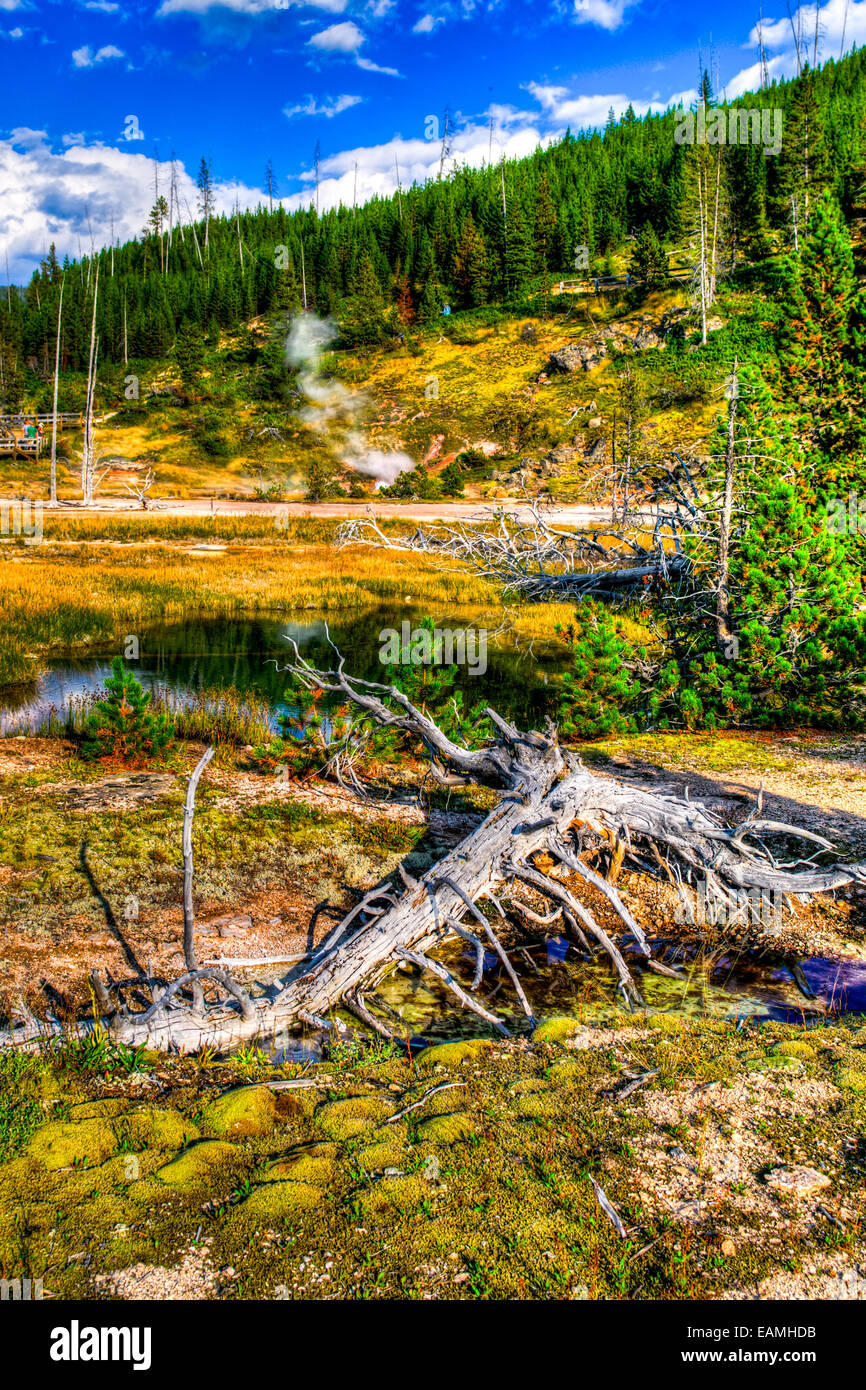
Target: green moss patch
column 317, row 1165
column 538, row 1105
column 446, row 1129
column 794, row 1047
column 558, row 1030
column 393, row 1194
column 848, row 1079
column 62, row 1143
column 374, row 1157
column 247, row 1112
column 453, row 1054
column 344, row 1119
column 273, row 1201
column 203, row 1165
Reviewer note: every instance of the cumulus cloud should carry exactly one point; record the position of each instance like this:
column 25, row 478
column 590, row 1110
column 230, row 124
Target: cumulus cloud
column 427, row 23
column 330, row 106
column 749, row 79
column 43, row 196
column 338, row 38
column 86, row 58
column 841, row 24
column 417, row 158
column 583, row 112
column 835, row 20
column 606, row 14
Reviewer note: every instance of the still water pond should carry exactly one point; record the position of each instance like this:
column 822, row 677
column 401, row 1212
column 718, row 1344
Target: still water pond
column 182, row 661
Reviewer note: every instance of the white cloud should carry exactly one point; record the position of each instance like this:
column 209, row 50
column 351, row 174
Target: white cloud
column 104, row 6
column 582, row 112
column 85, row 58
column 250, row 7
column 418, row 160
column 43, row 196
column 749, row 79
column 427, row 23
column 834, row 19
column 75, row 137
column 17, row 33
column 338, row 38
column 11, row 4
column 331, row 106
column 607, row 14
column 685, row 98
column 370, row 66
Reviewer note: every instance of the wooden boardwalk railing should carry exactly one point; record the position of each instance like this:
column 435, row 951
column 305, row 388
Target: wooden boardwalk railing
column 66, row 417
column 20, row 444
column 598, row 284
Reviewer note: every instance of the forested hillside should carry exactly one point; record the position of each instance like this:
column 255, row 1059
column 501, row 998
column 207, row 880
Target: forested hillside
column 476, row 237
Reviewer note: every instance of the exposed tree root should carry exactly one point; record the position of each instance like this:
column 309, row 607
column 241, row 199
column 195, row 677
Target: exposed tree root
column 548, row 804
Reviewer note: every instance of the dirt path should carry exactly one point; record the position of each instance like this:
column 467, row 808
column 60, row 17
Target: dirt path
column 574, row 515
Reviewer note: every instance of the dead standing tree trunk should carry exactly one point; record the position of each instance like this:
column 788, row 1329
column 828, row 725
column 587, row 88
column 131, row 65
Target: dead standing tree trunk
column 188, row 907
column 545, row 796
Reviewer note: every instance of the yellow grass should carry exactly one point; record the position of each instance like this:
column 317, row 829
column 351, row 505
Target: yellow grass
column 61, row 598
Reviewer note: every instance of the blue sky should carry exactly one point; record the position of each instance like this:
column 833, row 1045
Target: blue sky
column 244, row 81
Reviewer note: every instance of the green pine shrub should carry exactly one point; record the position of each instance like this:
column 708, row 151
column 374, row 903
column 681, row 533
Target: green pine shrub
column 121, row 727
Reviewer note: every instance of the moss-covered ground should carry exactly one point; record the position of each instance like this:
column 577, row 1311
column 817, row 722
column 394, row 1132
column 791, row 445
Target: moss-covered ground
column 482, row 1191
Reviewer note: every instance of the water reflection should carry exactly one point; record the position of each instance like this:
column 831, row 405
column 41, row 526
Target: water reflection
column 249, row 656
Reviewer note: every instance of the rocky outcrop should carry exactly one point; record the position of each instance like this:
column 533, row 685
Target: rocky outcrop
column 574, row 357
column 561, row 459
column 632, row 335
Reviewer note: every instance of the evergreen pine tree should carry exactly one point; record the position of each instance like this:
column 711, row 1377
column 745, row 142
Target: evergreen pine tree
column 598, row 696
column 797, row 642
column 649, row 260
column 121, row 726
column 470, row 265
column 821, row 344
column 189, row 354
column 362, row 321
column 545, row 224
column 451, row 480
column 804, row 168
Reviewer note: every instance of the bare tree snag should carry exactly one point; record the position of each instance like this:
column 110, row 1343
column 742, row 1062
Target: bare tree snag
column 723, row 598
column 545, row 796
column 141, row 488
column 188, row 908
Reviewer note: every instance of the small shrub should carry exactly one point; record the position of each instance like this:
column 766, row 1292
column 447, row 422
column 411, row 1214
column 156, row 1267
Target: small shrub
column 122, row 726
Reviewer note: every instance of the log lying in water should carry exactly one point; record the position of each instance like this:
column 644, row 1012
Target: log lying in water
column 544, row 793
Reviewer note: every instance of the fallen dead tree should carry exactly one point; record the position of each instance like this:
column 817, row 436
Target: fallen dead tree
column 528, row 557
column 548, row 804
